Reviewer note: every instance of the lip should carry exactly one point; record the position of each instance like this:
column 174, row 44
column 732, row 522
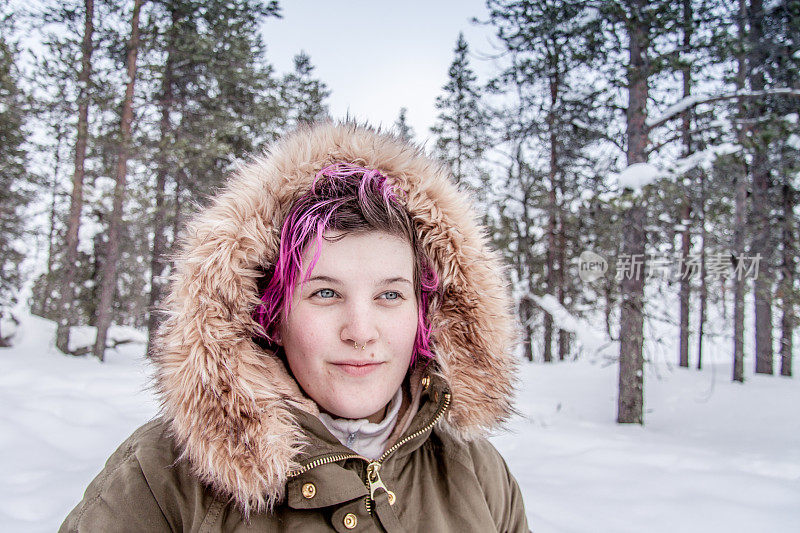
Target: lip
column 357, row 368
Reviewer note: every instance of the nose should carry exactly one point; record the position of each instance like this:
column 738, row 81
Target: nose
column 359, row 325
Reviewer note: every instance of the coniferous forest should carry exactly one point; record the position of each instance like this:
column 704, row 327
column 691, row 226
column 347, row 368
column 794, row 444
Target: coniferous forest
column 637, row 162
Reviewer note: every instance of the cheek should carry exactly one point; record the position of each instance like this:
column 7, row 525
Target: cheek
column 405, row 332
column 301, row 343
column 302, row 329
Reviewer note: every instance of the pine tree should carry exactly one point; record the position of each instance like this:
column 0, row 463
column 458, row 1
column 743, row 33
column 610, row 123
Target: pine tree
column 402, row 127
column 697, row 188
column 638, row 20
column 232, row 107
column 215, row 98
column 302, row 94
column 548, row 42
column 771, row 59
column 462, row 126
column 53, row 116
column 735, row 48
column 169, row 44
column 629, row 44
column 14, row 191
column 687, row 29
column 783, row 21
column 66, row 304
column 787, row 291
column 515, row 225
column 110, row 267
column 55, row 89
column 762, row 243
column 203, row 68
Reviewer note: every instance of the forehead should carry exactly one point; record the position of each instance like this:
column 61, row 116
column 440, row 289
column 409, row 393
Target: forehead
column 373, row 255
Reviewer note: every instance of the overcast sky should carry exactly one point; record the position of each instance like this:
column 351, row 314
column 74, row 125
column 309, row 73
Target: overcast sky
column 378, row 56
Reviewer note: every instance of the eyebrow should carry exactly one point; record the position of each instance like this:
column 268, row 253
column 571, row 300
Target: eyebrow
column 322, row 278
column 386, row 281
column 398, row 279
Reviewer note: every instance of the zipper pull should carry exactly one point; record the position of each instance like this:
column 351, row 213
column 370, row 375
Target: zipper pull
column 375, row 482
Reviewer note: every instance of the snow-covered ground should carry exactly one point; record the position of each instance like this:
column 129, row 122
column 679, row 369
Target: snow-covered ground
column 712, row 456
column 725, row 459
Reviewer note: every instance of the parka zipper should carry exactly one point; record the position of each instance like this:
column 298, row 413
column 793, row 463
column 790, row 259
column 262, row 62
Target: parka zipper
column 376, row 482
column 319, row 461
column 373, row 480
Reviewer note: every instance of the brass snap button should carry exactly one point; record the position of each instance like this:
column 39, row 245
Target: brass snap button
column 350, row 521
column 309, row 490
column 391, row 497
column 426, row 382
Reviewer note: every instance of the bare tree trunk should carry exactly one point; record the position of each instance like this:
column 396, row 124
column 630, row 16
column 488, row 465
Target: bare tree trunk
column 526, row 312
column 738, row 328
column 551, row 276
column 763, row 283
column 630, row 403
column 788, row 323
column 65, row 313
column 685, row 285
column 4, row 342
column 524, row 265
column 723, row 290
column 563, row 335
column 703, row 284
column 157, row 261
column 460, row 145
column 555, row 242
column 548, row 338
column 109, row 277
column 552, row 223
column 761, row 185
column 177, row 219
column 46, row 305
column 607, row 307
column 787, row 280
column 686, row 208
column 551, row 283
column 739, row 225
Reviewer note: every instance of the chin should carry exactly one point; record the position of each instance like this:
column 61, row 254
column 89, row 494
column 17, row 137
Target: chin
column 354, row 412
column 355, row 408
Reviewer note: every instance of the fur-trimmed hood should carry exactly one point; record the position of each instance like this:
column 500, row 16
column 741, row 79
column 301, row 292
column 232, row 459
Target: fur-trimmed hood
column 229, row 402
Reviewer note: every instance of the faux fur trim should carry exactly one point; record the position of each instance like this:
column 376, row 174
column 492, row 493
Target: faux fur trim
column 229, row 400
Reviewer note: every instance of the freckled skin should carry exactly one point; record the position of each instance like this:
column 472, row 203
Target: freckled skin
column 360, row 293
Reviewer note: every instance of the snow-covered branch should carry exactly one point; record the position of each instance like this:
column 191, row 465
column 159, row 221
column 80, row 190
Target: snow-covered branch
column 592, row 340
column 638, row 175
column 694, row 100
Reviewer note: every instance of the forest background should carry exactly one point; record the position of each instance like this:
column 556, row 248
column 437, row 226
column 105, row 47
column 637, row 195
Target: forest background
column 636, row 163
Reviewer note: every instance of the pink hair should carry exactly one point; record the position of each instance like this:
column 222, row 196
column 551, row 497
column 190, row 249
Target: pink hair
column 373, row 198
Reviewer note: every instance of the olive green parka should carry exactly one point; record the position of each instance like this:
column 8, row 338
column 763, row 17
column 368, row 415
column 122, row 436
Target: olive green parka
column 238, row 446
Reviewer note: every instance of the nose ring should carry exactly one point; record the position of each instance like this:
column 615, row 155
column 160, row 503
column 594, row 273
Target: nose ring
column 363, row 347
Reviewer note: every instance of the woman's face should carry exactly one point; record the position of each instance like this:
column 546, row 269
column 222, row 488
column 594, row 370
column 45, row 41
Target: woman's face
column 350, row 333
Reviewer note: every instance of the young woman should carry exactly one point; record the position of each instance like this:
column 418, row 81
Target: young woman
column 337, row 343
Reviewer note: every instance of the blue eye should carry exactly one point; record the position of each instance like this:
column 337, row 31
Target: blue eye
column 391, row 295
column 325, row 293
